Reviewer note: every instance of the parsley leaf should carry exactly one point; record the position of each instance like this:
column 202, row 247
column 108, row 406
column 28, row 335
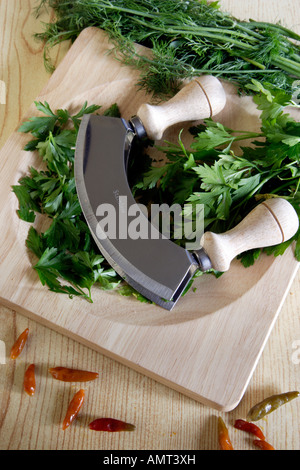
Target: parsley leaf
column 228, row 183
column 68, row 260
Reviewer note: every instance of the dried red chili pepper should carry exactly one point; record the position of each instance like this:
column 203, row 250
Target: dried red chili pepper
column 110, row 425
column 249, row 427
column 72, row 375
column 264, row 445
column 223, row 436
column 270, row 404
column 19, row 344
column 29, row 380
column 73, row 408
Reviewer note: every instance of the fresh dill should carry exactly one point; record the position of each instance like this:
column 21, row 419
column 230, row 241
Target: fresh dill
column 186, row 38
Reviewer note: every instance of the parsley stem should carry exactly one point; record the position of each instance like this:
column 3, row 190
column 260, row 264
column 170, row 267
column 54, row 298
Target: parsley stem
column 247, row 135
column 286, row 185
column 82, row 293
column 259, row 186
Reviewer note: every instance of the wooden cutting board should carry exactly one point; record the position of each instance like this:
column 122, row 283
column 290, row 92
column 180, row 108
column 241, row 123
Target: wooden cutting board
column 209, row 345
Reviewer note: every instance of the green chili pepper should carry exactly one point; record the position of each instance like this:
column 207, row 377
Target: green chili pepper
column 270, row 404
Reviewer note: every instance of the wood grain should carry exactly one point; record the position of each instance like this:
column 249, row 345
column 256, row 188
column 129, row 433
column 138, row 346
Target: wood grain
column 195, row 348
column 270, row 223
column 202, row 98
column 165, row 419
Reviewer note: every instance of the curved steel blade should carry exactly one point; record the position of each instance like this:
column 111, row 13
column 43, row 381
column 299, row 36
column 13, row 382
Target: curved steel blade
column 157, row 268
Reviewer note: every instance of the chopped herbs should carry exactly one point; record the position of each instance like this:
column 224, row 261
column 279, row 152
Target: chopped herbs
column 210, row 173
column 187, row 38
column 229, row 185
column 68, row 260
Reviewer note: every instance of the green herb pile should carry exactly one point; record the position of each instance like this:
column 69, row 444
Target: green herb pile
column 228, row 183
column 187, row 38
column 231, row 183
column 66, row 250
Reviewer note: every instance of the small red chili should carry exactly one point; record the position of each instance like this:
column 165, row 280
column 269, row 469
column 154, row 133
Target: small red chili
column 264, row 445
column 73, row 409
column 29, row 380
column 72, row 375
column 19, row 344
column 249, row 427
column 110, row 425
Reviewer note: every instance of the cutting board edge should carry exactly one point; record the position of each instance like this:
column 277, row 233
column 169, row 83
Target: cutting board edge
column 126, row 362
column 123, row 361
column 228, row 404
column 58, row 327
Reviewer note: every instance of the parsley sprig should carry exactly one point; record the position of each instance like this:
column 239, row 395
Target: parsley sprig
column 69, row 262
column 227, row 178
column 217, row 172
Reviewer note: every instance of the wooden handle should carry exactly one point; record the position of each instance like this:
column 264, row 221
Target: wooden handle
column 199, row 99
column 271, row 222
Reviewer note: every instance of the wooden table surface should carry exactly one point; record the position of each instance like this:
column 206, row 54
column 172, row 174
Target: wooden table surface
column 164, row 419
